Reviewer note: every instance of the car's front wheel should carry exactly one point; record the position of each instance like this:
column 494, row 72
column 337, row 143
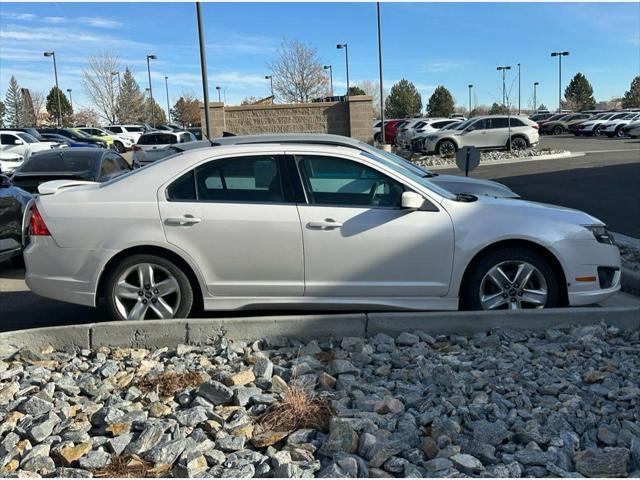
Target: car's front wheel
column 558, row 130
column 145, row 287
column 598, row 131
column 119, row 146
column 510, row 279
column 446, row 147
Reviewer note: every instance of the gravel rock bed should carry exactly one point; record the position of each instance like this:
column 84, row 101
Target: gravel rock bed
column 630, row 257
column 485, row 157
column 562, row 403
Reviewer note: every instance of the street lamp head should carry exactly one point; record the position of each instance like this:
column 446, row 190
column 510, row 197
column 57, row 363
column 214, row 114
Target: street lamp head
column 49, row 54
column 166, row 78
column 115, row 73
column 536, row 83
column 268, row 77
column 470, row 85
column 326, row 67
column 152, row 57
column 218, row 88
column 69, row 90
column 341, row 45
column 565, row 53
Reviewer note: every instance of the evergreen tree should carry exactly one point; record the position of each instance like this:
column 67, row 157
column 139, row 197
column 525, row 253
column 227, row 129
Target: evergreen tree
column 14, row 105
column 2, row 112
column 579, row 93
column 355, row 90
column 66, row 112
column 158, row 113
column 130, row 102
column 404, row 100
column 632, row 96
column 542, row 107
column 498, row 109
column 441, row 103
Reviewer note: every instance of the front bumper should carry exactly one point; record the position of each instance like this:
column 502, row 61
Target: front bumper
column 581, row 259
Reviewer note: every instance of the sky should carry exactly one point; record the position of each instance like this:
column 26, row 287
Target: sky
column 430, row 44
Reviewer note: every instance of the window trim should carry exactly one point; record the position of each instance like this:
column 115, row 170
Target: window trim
column 287, row 190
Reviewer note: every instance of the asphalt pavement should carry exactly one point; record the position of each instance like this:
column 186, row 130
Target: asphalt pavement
column 604, row 182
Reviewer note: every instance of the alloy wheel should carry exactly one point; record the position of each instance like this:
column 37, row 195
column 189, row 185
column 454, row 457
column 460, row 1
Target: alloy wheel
column 147, row 290
column 513, row 285
column 446, row 148
column 518, row 143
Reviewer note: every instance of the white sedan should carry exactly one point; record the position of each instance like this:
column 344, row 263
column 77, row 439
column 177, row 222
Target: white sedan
column 302, row 226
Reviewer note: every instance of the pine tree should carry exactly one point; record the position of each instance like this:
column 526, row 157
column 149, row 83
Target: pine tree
column 441, row 103
column 2, row 112
column 355, row 90
column 579, row 93
column 631, row 98
column 159, row 117
column 15, row 110
column 66, row 112
column 404, row 100
column 130, row 102
column 498, row 109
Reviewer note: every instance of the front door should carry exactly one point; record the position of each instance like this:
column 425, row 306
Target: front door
column 477, row 135
column 235, row 219
column 358, row 242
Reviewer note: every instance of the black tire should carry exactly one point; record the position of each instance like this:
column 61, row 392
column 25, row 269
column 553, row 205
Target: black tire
column 619, row 132
column 470, row 291
column 119, row 146
column 598, row 131
column 518, row 142
column 446, row 147
column 610, row 135
column 378, row 138
column 558, row 130
column 186, row 291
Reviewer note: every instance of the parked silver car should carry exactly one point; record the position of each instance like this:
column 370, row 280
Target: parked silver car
column 150, row 146
column 306, row 226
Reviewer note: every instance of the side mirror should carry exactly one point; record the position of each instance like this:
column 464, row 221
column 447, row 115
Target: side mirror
column 18, row 142
column 411, row 201
column 5, row 182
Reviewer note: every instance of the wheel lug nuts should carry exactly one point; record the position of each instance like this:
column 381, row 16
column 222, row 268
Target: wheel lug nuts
column 519, row 294
column 144, row 302
column 140, row 293
column 516, row 285
column 147, row 287
column 155, row 290
column 513, row 299
column 154, row 300
column 504, row 295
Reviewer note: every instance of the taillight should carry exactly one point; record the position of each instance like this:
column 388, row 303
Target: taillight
column 135, row 148
column 536, row 126
column 37, row 225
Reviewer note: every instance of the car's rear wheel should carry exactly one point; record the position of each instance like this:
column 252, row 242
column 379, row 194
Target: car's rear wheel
column 446, row 147
column 619, row 131
column 558, row 130
column 119, row 146
column 145, row 287
column 519, row 143
column 378, row 138
column 510, row 279
column 599, row 130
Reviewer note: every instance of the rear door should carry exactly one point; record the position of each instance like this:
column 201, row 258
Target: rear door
column 236, row 218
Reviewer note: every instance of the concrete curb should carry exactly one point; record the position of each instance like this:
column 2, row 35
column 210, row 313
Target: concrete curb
column 158, row 334
column 515, row 160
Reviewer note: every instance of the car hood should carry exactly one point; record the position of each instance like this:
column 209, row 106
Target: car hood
column 475, row 186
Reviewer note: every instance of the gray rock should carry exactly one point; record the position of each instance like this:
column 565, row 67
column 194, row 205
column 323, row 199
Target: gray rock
column 168, row 452
column 492, row 433
column 342, row 438
column 94, row 460
column 149, row 438
column 214, row 457
column 242, row 395
column 230, row 443
column 65, row 472
column 407, row 339
column 215, row 392
column 191, row 417
column 117, row 444
column 42, row 427
column 340, row 367
column 263, row 368
column 35, row 406
column 41, row 464
column 612, row 462
column 244, row 471
column 530, row 456
column 382, row 451
column 438, row 464
column 466, row 463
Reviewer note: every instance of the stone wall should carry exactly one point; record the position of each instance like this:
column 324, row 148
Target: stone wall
column 353, row 118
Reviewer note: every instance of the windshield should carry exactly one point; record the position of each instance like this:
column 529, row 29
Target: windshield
column 465, row 124
column 408, row 169
column 56, row 162
column 80, row 133
column 27, row 138
column 134, row 129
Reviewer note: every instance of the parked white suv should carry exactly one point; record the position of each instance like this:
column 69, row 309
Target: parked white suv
column 614, row 128
column 595, row 126
column 152, row 145
column 131, row 132
column 121, row 144
column 23, row 144
column 489, row 132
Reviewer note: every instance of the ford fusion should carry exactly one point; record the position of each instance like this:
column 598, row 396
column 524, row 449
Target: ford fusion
column 305, row 226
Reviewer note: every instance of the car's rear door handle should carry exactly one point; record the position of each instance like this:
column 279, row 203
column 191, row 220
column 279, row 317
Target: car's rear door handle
column 326, row 224
column 182, row 221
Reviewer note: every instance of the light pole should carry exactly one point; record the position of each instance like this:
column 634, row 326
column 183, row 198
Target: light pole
column 518, row 89
column 270, row 78
column 330, row 68
column 218, row 88
column 55, row 72
column 113, row 74
column 153, row 114
column 166, row 86
column 380, row 74
column 559, row 55
column 70, row 98
column 146, row 91
column 341, row 46
column 203, row 70
column 470, row 87
column 535, row 103
column 504, row 92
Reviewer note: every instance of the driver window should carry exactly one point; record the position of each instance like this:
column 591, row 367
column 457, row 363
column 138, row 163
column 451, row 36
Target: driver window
column 338, row 181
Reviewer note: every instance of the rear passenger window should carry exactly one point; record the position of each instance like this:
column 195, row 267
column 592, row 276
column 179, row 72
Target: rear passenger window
column 499, row 123
column 182, row 189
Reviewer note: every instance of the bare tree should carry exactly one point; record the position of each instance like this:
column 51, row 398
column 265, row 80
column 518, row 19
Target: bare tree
column 39, row 102
column 100, row 86
column 298, row 75
column 372, row 89
column 85, row 116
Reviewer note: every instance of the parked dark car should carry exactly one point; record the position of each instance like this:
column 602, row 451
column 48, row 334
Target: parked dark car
column 563, row 124
column 56, row 137
column 73, row 135
column 89, row 164
column 197, row 132
column 13, row 201
column 30, row 130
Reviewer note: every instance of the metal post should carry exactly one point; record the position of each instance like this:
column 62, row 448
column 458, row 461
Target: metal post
column 470, row 109
column 535, row 103
column 518, row 89
column 219, row 100
column 330, row 68
column 559, row 83
column 153, row 113
column 166, row 85
column 503, row 89
column 70, row 98
column 380, row 74
column 203, row 69
column 55, row 73
column 346, row 59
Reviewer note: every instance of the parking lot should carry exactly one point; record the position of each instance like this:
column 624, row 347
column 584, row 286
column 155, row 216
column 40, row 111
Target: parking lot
column 603, row 182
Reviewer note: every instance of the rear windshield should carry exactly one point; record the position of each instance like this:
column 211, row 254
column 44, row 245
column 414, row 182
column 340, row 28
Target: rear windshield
column 134, row 129
column 71, row 162
column 157, row 139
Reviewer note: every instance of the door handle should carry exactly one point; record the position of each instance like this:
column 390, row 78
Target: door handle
column 182, row 221
column 326, row 224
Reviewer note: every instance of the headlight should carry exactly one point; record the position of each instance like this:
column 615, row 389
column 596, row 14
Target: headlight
column 601, row 234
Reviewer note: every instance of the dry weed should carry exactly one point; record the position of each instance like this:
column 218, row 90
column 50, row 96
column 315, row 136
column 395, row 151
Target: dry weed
column 300, row 407
column 168, row 383
column 131, row 466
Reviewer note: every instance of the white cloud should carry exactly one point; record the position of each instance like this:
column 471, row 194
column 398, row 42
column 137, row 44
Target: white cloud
column 54, row 20
column 100, row 22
